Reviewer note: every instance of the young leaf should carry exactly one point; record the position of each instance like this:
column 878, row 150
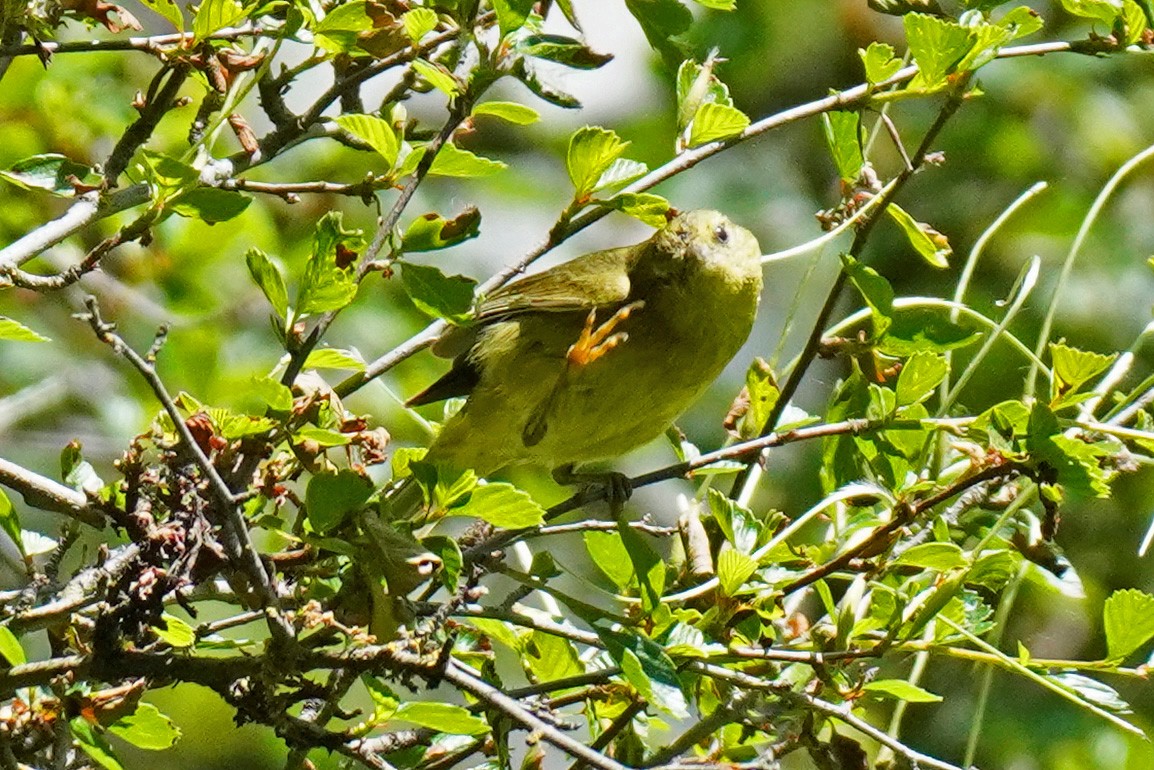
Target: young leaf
column 714, row 121
column 502, row 505
column 880, row 62
column 662, row 21
column 146, row 728
column 210, row 204
column 512, row 14
column 648, row 566
column 902, row 690
column 94, row 744
column 563, row 50
column 437, row 294
column 442, row 717
column 453, row 161
column 169, row 10
column 18, row 332
column 431, row 231
column 331, row 497
column 337, row 32
column 438, row 77
column 646, row 207
column 733, row 569
column 419, row 22
column 875, row 290
column 10, row 647
column 843, row 135
column 534, row 81
column 936, row 45
column 277, row 396
column 1073, row 368
column 512, row 112
column 648, row 668
column 936, row 556
column 552, row 657
column 931, row 245
column 270, row 280
column 920, row 375
column 214, row 15
column 591, row 151
column 608, row 552
column 175, row 631
column 55, row 173
column 1100, row 10
column 620, row 173
column 329, row 281
column 334, row 358
column 1128, row 618
column 375, row 132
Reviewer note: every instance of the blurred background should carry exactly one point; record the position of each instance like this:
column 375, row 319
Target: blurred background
column 1068, row 120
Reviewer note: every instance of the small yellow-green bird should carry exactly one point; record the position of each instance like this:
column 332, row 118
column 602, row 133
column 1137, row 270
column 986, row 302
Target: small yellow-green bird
column 599, row 355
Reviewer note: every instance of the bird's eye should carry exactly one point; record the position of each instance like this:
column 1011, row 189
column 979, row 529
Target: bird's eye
column 721, row 234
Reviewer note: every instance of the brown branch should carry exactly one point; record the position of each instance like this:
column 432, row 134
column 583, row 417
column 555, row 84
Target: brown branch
column 155, row 44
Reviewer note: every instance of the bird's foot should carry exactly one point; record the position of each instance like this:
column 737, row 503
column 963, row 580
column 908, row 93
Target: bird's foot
column 618, row 487
column 595, row 341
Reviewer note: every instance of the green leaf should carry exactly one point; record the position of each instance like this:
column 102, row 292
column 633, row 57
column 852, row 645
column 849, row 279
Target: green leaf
column 449, row 552
column 902, row 690
column 419, row 22
column 1076, row 463
column 497, row 630
column 511, row 112
column 331, row 497
column 453, row 161
column 875, row 290
column 175, row 631
column 511, row 14
column 534, row 81
column 697, row 85
column 385, row 701
column 329, row 281
column 169, row 10
column 438, row 77
column 843, row 135
column 437, row 294
column 920, row 375
column 648, row 566
column 761, row 393
column 1073, row 368
column 917, row 330
column 337, row 32
column 607, row 551
column 714, row 121
column 375, row 132
column 591, row 151
column 210, row 204
column 431, row 231
column 936, row 556
column 1134, row 22
column 215, row 15
column 166, row 175
column 648, row 668
column 270, row 391
column 931, row 245
column 1099, row 10
column 563, row 50
column 54, row 173
column 733, row 569
column 334, row 358
column 880, row 62
column 646, row 207
column 18, row 332
column 662, row 21
column 502, row 505
column 551, row 657
column 146, row 728
column 936, row 45
column 442, row 717
column 1128, row 619
column 718, row 5
column 270, row 280
column 1021, row 21
column 94, row 744
column 994, row 569
column 10, row 521
column 10, row 648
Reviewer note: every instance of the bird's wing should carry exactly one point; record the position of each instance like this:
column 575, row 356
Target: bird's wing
column 596, row 280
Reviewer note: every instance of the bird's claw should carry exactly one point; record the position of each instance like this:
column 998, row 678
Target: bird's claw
column 595, row 341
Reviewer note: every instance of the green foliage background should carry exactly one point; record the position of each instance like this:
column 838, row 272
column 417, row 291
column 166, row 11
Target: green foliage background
column 1066, row 119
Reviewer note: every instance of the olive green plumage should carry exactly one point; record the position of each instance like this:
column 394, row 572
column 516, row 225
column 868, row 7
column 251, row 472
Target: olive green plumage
column 693, row 289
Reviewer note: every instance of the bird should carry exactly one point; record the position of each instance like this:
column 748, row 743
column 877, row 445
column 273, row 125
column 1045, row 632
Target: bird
column 599, row 355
